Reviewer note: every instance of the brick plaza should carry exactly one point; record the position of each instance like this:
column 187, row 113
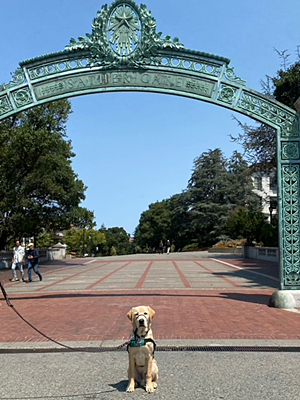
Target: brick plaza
column 196, row 297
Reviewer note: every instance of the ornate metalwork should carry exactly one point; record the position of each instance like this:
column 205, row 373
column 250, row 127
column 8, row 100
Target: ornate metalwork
column 5, row 105
column 124, row 29
column 124, row 52
column 17, row 79
column 290, row 150
column 22, row 97
column 269, row 111
column 227, row 94
column 54, row 68
column 291, row 230
column 123, row 34
column 230, row 75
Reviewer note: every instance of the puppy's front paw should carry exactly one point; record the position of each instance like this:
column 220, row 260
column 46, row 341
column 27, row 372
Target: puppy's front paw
column 149, row 388
column 130, row 388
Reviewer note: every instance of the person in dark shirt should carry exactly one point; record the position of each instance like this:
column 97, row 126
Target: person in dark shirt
column 33, row 259
column 161, row 247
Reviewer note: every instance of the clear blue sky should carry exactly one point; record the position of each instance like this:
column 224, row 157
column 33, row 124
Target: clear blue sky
column 133, row 149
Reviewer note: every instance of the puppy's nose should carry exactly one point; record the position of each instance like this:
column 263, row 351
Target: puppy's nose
column 141, row 322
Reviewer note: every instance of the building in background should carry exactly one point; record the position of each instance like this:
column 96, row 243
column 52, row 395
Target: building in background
column 265, row 186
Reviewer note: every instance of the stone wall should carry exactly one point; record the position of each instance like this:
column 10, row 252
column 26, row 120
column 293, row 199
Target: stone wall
column 261, row 253
column 57, row 252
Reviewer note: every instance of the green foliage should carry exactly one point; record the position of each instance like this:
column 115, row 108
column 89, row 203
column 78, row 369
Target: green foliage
column 82, row 241
column 38, row 188
column 191, row 247
column 269, row 234
column 82, row 218
column 207, row 195
column 240, row 183
column 116, row 238
column 259, row 144
column 253, row 226
column 259, row 141
column 137, row 250
column 154, row 226
column 113, row 251
column 74, row 240
column 45, row 240
column 199, row 214
column 216, row 187
column 287, row 85
column 227, row 242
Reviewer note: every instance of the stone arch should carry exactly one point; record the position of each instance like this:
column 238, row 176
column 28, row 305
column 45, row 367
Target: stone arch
column 125, row 53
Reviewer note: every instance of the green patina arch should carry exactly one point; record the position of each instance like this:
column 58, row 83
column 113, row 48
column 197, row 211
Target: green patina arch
column 125, row 53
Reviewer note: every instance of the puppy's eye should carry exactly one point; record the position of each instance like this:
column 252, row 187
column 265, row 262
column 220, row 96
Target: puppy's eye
column 145, row 313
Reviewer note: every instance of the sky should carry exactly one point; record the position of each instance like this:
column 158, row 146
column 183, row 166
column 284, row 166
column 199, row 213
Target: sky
column 133, row 149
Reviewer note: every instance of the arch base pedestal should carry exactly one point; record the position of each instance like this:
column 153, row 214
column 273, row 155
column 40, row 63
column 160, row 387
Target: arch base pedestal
column 288, row 299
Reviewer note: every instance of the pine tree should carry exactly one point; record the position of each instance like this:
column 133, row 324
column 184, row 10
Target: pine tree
column 208, row 197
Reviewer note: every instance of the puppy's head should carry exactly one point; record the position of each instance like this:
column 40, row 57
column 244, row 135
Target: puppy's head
column 141, row 318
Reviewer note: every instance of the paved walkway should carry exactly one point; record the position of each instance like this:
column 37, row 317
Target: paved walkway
column 196, row 296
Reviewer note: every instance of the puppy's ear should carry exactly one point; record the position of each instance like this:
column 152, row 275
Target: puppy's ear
column 129, row 314
column 151, row 312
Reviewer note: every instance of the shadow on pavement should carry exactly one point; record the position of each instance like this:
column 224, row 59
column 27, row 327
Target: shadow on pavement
column 248, row 297
column 120, row 386
column 257, row 277
column 257, row 298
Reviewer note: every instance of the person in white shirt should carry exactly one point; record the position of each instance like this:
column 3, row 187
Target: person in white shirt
column 17, row 261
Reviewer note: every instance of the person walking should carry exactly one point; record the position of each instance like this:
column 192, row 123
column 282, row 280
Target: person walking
column 17, row 261
column 168, row 246
column 32, row 260
column 161, row 247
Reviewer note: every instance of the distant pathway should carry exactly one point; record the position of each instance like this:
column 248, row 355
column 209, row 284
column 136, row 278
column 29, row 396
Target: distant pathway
column 151, row 274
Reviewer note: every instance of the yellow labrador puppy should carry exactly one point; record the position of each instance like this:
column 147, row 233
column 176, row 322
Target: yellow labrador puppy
column 143, row 368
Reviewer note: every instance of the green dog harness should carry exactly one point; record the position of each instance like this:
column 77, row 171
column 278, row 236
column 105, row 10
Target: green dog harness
column 137, row 343
column 140, row 343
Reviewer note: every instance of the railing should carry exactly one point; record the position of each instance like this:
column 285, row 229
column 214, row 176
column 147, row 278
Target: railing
column 261, row 253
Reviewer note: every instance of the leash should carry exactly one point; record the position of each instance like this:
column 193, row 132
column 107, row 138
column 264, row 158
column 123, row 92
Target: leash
column 8, row 302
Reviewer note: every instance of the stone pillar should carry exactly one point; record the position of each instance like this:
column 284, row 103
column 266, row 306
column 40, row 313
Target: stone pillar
column 57, row 252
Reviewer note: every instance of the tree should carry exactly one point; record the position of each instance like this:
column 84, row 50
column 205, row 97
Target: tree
column 116, row 241
column 240, row 183
column 259, row 144
column 38, row 187
column 154, row 226
column 180, row 230
column 259, row 141
column 253, row 226
column 208, row 197
column 81, row 217
column 45, row 240
column 83, row 241
column 199, row 214
column 287, row 85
